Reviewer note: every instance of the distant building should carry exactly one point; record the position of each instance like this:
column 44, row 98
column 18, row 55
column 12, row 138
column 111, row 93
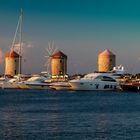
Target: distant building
column 106, row 61
column 12, row 64
column 59, row 64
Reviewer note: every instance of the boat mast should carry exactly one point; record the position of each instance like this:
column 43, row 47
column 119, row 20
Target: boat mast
column 20, row 41
column 18, row 30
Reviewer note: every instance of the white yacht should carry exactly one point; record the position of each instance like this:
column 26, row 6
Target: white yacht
column 35, row 82
column 95, row 81
column 11, row 83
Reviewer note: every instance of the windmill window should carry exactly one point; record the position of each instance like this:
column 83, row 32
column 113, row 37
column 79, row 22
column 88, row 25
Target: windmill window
column 60, row 61
column 60, row 72
column 15, row 71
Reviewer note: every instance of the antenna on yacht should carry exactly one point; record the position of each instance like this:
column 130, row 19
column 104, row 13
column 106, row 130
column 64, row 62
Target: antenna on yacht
column 50, row 51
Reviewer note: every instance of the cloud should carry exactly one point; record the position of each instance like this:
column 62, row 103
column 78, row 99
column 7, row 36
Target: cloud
column 24, row 47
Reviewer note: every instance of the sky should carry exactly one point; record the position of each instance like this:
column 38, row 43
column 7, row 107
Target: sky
column 79, row 28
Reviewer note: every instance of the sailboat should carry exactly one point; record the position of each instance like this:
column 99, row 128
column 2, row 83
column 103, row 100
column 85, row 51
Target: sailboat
column 13, row 83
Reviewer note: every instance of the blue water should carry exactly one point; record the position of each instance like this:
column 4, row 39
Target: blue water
column 67, row 115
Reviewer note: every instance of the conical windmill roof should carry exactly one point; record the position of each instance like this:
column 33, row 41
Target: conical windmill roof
column 12, row 54
column 107, row 53
column 58, row 54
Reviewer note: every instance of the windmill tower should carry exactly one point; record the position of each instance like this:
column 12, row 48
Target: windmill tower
column 106, row 61
column 59, row 64
column 12, row 63
column 56, row 63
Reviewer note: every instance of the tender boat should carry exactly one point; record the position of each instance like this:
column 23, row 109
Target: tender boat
column 94, row 81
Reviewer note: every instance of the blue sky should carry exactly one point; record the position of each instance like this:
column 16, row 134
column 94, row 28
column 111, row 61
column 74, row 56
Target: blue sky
column 81, row 29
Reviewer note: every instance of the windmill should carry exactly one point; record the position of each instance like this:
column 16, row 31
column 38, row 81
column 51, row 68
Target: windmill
column 50, row 51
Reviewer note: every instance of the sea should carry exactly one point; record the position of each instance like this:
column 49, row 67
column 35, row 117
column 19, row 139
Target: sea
column 69, row 115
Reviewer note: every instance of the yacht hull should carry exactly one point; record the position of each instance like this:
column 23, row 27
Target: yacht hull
column 33, row 86
column 60, row 86
column 94, row 86
column 8, row 85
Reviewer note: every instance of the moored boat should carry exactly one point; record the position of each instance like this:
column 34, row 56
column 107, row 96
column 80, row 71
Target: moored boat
column 35, row 82
column 95, row 81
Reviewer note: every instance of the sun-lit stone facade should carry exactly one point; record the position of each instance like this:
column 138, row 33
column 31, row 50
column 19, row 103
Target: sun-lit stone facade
column 106, row 61
column 59, row 64
column 12, row 64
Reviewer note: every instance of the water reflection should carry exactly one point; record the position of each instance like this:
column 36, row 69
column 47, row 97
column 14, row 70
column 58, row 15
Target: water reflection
column 102, row 130
column 11, row 124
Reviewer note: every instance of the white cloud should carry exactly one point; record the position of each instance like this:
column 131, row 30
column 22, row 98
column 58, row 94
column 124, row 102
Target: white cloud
column 24, row 46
